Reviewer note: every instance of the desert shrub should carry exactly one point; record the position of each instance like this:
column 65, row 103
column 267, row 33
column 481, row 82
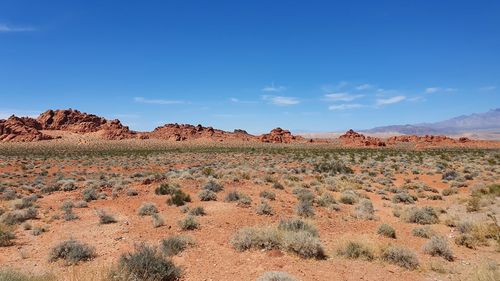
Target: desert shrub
column 348, row 197
column 325, row 200
column 242, row 198
column 488, row 271
column 81, row 204
column 10, row 275
column 38, row 230
column 305, row 209
column 466, row 239
column 264, row 209
column 400, row 256
column 25, row 202
column 424, row 232
column 424, row 215
column 174, row 245
column 297, row 225
column 71, row 251
column 364, row 210
column 19, row 216
column 89, row 194
column 302, row 243
column 449, row 175
column 207, row 195
column 473, row 204
column 6, row 236
column 69, row 215
column 332, row 168
column 387, row 231
column 434, row 197
column 213, row 186
column 147, row 209
column 276, row 276
column 166, row 189
column 438, row 246
column 356, row 250
column 403, row 197
column 132, row 192
column 67, row 205
column 105, row 218
column 268, row 195
column 179, row 198
column 197, row 211
column 147, row 264
column 9, row 194
column 157, row 220
column 449, row 191
column 278, row 185
column 69, row 186
column 188, row 223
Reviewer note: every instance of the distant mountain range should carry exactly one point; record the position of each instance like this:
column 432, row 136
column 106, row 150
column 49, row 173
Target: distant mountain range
column 477, row 122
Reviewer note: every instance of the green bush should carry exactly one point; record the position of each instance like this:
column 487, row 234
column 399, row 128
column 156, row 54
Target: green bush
column 174, row 245
column 147, row 209
column 424, row 215
column 356, row 250
column 179, row 198
column 146, row 264
column 105, row 218
column 387, row 231
column 213, row 186
column 207, row 195
column 400, row 256
column 6, row 236
column 438, row 246
column 72, row 252
column 424, row 232
column 188, row 223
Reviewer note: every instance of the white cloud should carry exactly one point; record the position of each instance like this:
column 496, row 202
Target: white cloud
column 156, row 101
column 341, row 97
column 235, row 100
column 433, row 90
column 345, row 106
column 281, row 100
column 6, row 28
column 488, row 88
column 364, row 87
column 392, row 100
column 273, row 88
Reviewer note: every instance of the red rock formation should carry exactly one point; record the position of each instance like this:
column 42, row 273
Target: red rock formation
column 428, row 140
column 186, row 132
column 82, row 123
column 352, row 138
column 22, row 129
column 279, row 135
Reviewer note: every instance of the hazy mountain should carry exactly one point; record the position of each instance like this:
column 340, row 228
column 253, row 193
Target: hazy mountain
column 488, row 121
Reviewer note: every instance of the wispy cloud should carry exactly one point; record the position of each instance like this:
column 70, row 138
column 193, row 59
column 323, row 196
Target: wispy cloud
column 273, row 88
column 432, row 90
column 392, row 100
column 341, row 97
column 345, row 106
column 488, row 88
column 4, row 28
column 364, row 87
column 236, row 100
column 281, row 100
column 156, row 101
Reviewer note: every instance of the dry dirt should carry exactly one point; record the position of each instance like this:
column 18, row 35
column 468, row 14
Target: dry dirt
column 120, row 166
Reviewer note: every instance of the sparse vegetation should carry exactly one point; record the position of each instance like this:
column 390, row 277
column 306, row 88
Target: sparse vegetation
column 72, row 252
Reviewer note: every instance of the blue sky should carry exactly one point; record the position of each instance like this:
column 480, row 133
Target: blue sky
column 301, row 65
